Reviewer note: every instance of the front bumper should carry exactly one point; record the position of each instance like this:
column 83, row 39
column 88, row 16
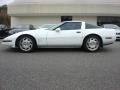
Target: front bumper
column 8, row 43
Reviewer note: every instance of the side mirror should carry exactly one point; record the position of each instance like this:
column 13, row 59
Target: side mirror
column 58, row 30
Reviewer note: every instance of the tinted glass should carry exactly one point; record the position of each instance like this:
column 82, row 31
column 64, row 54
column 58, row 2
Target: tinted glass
column 108, row 20
column 89, row 26
column 66, row 18
column 71, row 26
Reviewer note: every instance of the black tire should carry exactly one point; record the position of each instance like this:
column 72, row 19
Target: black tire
column 92, row 43
column 26, row 43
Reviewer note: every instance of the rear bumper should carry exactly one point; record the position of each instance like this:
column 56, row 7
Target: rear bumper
column 108, row 41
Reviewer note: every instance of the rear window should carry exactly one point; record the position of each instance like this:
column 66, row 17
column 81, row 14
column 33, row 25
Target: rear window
column 90, row 26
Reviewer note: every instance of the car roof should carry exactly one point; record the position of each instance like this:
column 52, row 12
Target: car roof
column 73, row 21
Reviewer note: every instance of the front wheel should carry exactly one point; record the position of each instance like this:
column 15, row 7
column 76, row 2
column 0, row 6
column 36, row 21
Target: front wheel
column 26, row 44
column 92, row 43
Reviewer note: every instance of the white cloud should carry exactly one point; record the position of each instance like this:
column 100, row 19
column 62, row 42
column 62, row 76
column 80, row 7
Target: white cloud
column 3, row 2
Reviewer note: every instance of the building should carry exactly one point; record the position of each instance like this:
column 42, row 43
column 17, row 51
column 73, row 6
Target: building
column 38, row 12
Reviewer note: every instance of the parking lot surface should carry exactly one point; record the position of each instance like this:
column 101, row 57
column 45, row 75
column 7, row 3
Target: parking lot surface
column 60, row 69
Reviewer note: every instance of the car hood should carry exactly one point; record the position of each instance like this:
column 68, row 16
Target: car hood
column 17, row 30
column 30, row 32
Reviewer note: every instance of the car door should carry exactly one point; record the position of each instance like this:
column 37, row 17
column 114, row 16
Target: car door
column 67, row 34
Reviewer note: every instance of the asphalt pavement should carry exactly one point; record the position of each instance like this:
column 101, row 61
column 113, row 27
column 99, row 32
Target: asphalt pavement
column 60, row 69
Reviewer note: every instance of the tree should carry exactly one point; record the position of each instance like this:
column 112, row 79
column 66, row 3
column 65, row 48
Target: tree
column 4, row 17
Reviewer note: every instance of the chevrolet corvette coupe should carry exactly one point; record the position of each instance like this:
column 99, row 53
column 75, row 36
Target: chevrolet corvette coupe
column 67, row 34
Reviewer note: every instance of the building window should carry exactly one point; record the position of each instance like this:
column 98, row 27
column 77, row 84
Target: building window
column 101, row 20
column 66, row 18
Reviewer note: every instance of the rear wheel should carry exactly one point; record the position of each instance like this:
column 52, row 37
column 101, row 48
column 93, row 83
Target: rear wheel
column 92, row 43
column 26, row 43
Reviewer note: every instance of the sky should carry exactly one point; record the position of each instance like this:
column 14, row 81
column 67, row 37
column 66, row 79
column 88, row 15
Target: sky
column 2, row 2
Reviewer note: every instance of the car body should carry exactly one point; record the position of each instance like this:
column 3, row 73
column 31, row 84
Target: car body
column 67, row 34
column 20, row 28
column 116, row 27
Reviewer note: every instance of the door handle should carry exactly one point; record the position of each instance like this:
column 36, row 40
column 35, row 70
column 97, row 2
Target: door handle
column 78, row 32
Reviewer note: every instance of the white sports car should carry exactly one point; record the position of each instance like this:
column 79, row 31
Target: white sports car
column 67, row 34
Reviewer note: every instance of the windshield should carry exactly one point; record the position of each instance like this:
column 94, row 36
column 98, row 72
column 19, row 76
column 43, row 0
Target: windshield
column 22, row 27
column 48, row 26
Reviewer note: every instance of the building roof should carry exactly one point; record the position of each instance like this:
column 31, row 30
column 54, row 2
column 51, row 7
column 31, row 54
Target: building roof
column 64, row 7
column 66, row 2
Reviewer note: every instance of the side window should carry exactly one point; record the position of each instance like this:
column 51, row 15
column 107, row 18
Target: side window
column 70, row 26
